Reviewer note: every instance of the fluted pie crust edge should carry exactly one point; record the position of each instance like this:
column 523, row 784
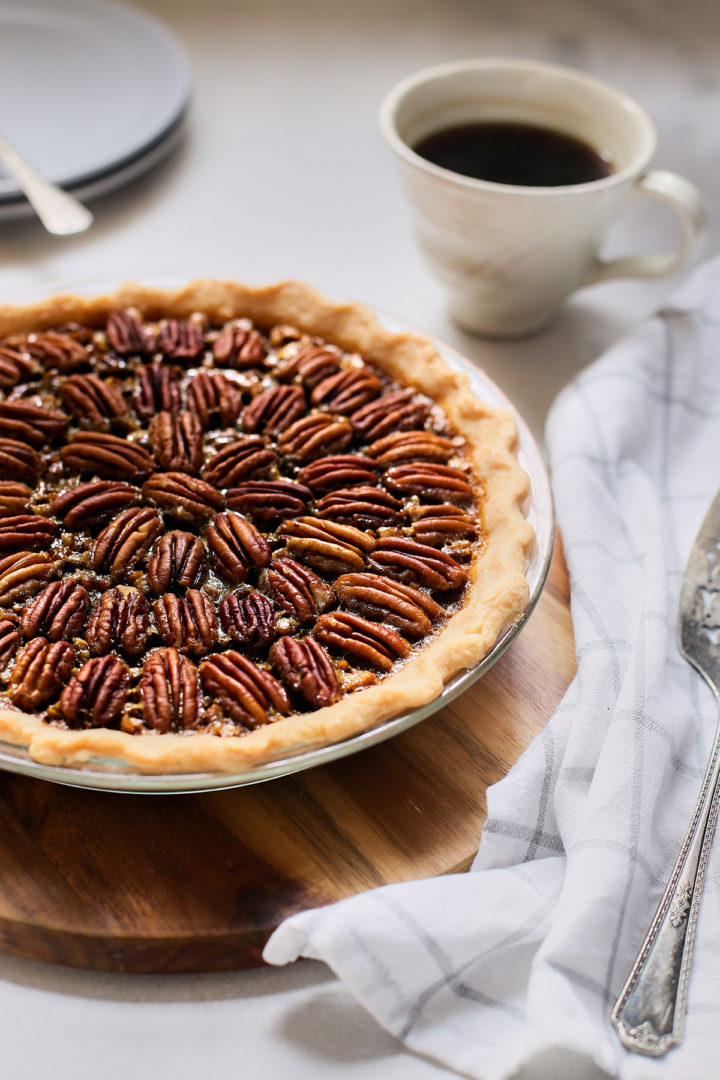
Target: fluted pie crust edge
column 498, row 590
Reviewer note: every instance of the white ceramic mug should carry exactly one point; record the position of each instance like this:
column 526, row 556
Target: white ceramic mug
column 509, row 255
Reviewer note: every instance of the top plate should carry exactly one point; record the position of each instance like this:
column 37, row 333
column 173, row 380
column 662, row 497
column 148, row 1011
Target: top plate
column 86, row 86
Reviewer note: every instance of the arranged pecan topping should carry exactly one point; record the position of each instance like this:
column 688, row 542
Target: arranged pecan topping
column 418, row 563
column 26, row 532
column 22, row 574
column 188, row 623
column 15, row 367
column 274, row 410
column 249, row 618
column 310, row 365
column 411, row 446
column 56, row 350
column 381, row 599
column 106, row 455
column 270, row 501
column 170, row 692
column 398, row 410
column 93, row 401
column 246, row 693
column 338, row 471
column 177, row 562
column 186, row 497
column 236, row 546
column 346, row 390
column 239, row 347
column 121, row 621
column 59, row 611
column 88, row 506
column 177, row 441
column 157, row 389
column 9, row 641
column 181, row 339
column 438, row 525
column 19, row 461
column 353, row 636
column 363, row 507
column 239, row 460
column 429, row 482
column 41, row 668
column 326, row 545
column 32, row 424
column 127, row 336
column 214, row 399
column 307, row 669
column 14, row 498
column 96, row 695
column 123, row 543
column 297, row 590
column 319, row 433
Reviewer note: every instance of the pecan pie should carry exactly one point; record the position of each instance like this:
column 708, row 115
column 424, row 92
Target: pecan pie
column 236, row 523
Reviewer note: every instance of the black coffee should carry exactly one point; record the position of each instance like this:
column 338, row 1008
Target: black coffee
column 507, row 153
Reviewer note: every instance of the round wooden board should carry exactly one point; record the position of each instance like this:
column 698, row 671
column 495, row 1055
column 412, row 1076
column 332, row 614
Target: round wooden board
column 178, row 883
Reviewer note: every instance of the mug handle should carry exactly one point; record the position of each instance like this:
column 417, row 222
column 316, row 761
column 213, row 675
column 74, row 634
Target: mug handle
column 682, row 197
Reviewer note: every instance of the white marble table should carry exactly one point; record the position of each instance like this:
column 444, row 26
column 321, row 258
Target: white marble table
column 283, row 174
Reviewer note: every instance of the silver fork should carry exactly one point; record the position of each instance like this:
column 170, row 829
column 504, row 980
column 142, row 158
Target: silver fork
column 60, row 213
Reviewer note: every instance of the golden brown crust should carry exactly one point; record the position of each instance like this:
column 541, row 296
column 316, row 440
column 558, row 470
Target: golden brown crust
column 498, row 593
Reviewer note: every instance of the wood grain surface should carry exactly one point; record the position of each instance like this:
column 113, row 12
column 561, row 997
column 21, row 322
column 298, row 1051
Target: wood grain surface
column 172, row 883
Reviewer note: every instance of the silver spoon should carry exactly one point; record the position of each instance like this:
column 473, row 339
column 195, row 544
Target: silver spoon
column 60, row 213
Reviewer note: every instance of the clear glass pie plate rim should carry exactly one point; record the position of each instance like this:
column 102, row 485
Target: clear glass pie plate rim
column 539, row 509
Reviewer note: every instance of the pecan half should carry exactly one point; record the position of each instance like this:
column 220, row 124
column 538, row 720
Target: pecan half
column 106, row 455
column 157, row 389
column 170, row 692
column 181, row 339
column 418, row 563
column 239, row 460
column 239, row 347
column 127, row 336
column 236, row 546
column 93, row 401
column 398, row 410
column 346, row 390
column 249, row 619
column 177, row 441
column 26, row 532
column 246, row 693
column 351, row 635
column 326, row 545
column 270, row 501
column 429, row 482
column 310, row 365
column 363, row 507
column 438, row 525
column 185, row 497
column 307, row 669
column 56, row 350
column 9, row 641
column 319, row 433
column 14, row 498
column 121, row 621
column 22, row 574
column 59, row 611
column 411, row 446
column 214, row 399
column 96, row 695
column 177, row 562
column 35, row 425
column 297, row 590
column 41, row 668
column 381, row 599
column 16, row 367
column 18, row 461
column 123, row 543
column 188, row 623
column 274, row 410
column 338, row 471
column 88, row 506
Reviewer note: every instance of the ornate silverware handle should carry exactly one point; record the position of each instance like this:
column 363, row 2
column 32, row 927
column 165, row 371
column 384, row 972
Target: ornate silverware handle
column 650, row 1012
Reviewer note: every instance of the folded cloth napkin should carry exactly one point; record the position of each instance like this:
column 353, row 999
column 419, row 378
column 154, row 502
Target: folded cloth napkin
column 512, row 969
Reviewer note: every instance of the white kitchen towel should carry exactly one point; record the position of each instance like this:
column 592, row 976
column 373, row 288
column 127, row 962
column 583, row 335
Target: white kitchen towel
column 512, row 969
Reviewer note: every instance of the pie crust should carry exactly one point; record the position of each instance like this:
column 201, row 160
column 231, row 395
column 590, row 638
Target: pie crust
column 495, row 598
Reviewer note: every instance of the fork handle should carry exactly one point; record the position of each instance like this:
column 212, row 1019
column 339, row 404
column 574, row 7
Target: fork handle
column 649, row 1015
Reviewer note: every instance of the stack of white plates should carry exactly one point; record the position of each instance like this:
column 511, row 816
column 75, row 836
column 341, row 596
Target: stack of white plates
column 93, row 94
